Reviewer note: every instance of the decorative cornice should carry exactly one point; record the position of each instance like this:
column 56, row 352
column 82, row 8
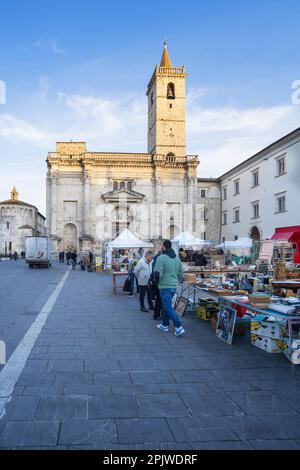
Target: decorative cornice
column 90, row 160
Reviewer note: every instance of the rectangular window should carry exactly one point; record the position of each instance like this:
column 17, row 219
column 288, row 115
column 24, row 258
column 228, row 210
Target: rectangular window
column 255, row 210
column 281, row 167
column 236, row 187
column 236, row 237
column 224, row 218
column 202, row 193
column 224, row 194
column 255, row 179
column 236, row 215
column 203, row 215
column 281, row 204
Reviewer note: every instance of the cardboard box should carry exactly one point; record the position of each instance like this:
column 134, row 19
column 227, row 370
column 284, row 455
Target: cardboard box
column 270, row 329
column 206, row 313
column 292, row 350
column 270, row 345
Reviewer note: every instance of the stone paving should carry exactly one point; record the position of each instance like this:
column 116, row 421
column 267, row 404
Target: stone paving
column 23, row 292
column 101, row 376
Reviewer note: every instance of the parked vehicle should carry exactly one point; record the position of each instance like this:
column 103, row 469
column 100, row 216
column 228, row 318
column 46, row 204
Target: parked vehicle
column 38, row 252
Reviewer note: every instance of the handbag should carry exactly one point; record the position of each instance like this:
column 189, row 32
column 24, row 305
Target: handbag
column 127, row 285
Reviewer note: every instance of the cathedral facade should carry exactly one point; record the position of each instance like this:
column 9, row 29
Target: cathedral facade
column 92, row 196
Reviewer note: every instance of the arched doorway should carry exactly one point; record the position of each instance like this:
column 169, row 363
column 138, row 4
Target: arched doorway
column 70, row 237
column 255, row 234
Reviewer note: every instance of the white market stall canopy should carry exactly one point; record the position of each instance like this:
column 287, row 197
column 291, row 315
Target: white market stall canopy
column 241, row 243
column 187, row 240
column 127, row 239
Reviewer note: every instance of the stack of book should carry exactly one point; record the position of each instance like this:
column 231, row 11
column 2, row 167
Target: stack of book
column 259, row 300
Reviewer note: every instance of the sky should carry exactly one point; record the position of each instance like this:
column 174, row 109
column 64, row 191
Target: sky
column 78, row 70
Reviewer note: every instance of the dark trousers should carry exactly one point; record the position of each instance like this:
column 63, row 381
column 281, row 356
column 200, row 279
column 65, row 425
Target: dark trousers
column 143, row 290
column 132, row 279
column 158, row 304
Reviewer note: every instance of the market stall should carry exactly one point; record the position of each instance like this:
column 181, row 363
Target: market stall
column 274, row 322
column 188, row 240
column 125, row 241
column 241, row 249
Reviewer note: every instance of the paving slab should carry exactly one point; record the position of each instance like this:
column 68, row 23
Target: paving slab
column 201, row 429
column 62, row 407
column 260, row 403
column 30, row 433
column 273, row 444
column 21, row 408
column 143, row 431
column 150, row 377
column 88, row 432
column 210, row 404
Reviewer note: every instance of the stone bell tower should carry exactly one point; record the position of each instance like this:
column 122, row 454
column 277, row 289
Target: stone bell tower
column 166, row 109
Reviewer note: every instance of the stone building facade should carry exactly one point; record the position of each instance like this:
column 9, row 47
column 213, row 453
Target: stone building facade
column 18, row 220
column 209, row 203
column 261, row 193
column 92, row 196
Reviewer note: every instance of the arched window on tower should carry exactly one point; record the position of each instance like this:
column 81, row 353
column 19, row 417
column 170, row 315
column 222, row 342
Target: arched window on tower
column 171, row 91
column 170, row 157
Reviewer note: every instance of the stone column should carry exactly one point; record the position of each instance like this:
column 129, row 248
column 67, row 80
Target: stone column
column 86, row 204
column 190, row 208
column 53, row 226
column 48, row 205
column 159, row 223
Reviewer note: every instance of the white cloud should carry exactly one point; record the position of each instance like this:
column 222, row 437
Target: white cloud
column 52, row 45
column 12, row 127
column 223, row 137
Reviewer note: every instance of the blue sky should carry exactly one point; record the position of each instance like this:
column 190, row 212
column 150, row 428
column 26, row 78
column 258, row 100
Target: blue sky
column 79, row 70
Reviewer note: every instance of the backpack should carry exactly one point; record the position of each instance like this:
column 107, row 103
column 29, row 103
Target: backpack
column 127, row 285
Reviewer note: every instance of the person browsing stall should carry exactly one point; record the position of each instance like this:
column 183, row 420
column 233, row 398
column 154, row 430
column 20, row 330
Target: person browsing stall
column 142, row 272
column 168, row 271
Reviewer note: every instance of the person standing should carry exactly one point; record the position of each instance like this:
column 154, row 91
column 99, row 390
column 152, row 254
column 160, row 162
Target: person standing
column 131, row 267
column 91, row 257
column 74, row 259
column 168, row 270
column 199, row 259
column 143, row 273
column 155, row 290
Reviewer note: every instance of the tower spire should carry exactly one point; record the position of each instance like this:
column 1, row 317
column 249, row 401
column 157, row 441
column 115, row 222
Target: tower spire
column 14, row 194
column 165, row 59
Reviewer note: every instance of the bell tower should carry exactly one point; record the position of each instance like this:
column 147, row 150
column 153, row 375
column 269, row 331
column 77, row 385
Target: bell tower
column 166, row 109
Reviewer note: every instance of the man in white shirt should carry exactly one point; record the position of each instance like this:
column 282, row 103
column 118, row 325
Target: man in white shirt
column 143, row 271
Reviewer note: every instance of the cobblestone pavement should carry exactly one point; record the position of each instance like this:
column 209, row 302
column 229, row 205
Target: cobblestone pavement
column 23, row 292
column 101, row 376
